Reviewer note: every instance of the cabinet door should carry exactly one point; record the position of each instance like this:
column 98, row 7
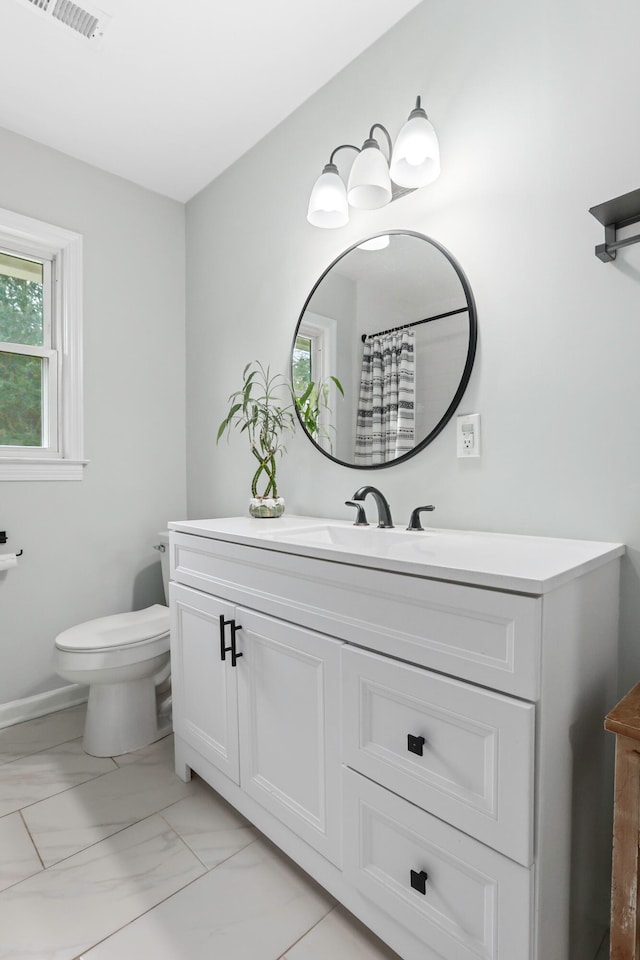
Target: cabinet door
column 288, row 688
column 204, row 687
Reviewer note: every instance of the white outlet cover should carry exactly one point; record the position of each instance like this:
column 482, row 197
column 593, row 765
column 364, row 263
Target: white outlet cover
column 468, row 435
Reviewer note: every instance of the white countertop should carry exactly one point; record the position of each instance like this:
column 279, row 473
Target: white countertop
column 523, row 564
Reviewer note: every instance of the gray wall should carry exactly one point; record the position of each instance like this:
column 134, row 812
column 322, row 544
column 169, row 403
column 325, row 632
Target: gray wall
column 536, row 109
column 88, row 544
column 535, row 106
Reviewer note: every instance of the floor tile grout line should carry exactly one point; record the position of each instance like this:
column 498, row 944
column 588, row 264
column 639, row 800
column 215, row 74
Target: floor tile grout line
column 153, row 906
column 164, row 899
column 283, row 956
column 30, row 835
column 72, row 786
column 59, row 793
column 52, row 746
column 37, row 853
column 24, row 756
column 39, row 750
column 191, row 850
column 10, row 724
column 109, row 836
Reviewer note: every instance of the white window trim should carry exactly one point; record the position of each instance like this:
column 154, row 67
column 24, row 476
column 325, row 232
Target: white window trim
column 322, row 331
column 29, row 236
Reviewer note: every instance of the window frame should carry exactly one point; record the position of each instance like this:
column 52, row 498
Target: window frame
column 63, row 457
column 321, row 331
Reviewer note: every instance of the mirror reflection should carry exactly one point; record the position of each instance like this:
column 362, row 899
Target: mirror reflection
column 383, row 350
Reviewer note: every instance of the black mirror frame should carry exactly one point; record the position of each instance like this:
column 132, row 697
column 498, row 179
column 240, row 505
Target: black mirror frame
column 468, row 367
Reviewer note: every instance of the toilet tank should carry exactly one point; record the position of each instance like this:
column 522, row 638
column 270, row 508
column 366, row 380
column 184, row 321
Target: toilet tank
column 163, row 538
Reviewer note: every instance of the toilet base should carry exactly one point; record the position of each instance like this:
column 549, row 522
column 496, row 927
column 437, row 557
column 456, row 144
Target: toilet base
column 122, row 717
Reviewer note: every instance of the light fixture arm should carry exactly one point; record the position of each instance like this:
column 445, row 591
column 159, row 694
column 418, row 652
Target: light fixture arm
column 418, row 110
column 386, row 133
column 343, row 146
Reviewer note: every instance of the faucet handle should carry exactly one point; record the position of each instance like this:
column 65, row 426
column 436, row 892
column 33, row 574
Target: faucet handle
column 414, row 522
column 361, row 517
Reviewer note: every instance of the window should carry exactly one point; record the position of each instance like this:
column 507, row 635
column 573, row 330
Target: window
column 303, row 363
column 40, row 351
column 313, row 365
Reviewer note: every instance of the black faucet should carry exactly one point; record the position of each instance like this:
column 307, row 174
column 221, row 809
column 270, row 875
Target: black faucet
column 361, row 517
column 414, row 522
column 384, row 511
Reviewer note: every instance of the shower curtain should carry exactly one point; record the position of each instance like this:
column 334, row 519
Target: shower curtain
column 385, row 427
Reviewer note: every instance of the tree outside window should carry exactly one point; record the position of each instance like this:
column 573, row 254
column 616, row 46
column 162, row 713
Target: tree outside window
column 21, row 374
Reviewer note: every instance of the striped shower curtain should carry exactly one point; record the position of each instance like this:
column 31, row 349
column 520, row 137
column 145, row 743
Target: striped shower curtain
column 385, row 426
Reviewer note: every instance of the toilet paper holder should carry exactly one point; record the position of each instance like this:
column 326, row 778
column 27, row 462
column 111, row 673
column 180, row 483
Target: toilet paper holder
column 4, row 538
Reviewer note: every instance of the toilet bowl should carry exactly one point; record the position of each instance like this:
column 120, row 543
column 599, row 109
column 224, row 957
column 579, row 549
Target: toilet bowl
column 124, row 660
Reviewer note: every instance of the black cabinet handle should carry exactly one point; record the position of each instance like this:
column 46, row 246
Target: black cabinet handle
column 224, row 649
column 419, row 881
column 415, row 744
column 234, row 653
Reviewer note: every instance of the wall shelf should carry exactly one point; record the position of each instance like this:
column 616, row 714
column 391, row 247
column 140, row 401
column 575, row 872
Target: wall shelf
column 614, row 214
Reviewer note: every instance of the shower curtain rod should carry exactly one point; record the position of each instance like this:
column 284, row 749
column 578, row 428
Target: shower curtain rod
column 416, row 323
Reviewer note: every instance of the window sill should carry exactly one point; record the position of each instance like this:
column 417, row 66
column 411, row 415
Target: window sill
column 30, row 468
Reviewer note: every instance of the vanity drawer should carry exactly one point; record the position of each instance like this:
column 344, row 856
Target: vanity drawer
column 461, row 752
column 473, row 902
column 484, row 636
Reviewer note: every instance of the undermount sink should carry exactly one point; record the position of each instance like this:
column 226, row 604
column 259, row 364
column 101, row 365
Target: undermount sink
column 494, row 557
column 360, row 539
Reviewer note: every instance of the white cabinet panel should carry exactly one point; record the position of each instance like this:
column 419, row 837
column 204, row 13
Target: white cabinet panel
column 204, row 690
column 269, row 722
column 484, row 636
column 288, row 703
column 464, row 753
column 468, row 901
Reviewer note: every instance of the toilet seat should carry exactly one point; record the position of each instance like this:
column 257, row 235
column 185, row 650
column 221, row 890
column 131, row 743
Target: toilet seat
column 116, row 632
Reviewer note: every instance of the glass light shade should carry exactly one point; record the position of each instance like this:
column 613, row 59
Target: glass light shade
column 415, row 161
column 328, row 201
column 376, row 243
column 369, row 181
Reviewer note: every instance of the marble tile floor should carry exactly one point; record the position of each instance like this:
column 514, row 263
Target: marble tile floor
column 114, row 859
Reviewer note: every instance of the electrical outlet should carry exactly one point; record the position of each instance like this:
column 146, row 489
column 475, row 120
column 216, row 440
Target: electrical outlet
column 468, row 435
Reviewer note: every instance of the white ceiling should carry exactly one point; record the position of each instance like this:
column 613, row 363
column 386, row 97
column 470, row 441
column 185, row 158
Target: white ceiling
column 175, row 91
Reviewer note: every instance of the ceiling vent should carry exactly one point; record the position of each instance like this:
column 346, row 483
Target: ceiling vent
column 88, row 23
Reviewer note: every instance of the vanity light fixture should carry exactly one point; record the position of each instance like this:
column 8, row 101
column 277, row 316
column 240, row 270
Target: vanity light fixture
column 376, row 243
column 413, row 162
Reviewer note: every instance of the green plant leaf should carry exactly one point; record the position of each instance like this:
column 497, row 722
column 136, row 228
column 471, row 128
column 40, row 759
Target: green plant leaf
column 307, row 393
column 338, row 384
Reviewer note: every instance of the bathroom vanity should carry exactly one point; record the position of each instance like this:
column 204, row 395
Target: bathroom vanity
column 414, row 717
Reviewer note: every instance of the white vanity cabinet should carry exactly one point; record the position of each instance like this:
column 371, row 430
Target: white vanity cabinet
column 419, row 728
column 264, row 716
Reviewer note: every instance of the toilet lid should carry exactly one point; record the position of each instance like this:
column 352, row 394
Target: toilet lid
column 118, row 630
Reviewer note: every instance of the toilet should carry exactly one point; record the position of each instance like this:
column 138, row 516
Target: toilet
column 124, row 660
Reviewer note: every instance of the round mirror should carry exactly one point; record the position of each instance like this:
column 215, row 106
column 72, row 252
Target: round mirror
column 383, row 350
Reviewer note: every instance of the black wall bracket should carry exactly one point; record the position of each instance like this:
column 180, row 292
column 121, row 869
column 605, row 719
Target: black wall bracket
column 4, row 538
column 614, row 214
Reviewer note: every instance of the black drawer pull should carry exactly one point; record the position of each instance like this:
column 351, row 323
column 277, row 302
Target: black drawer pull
column 419, row 881
column 224, row 649
column 415, row 744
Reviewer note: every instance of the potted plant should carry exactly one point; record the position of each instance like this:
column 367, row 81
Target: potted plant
column 262, row 409
column 314, row 410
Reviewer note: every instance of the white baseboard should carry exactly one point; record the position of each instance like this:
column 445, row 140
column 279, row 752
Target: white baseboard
column 17, row 711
